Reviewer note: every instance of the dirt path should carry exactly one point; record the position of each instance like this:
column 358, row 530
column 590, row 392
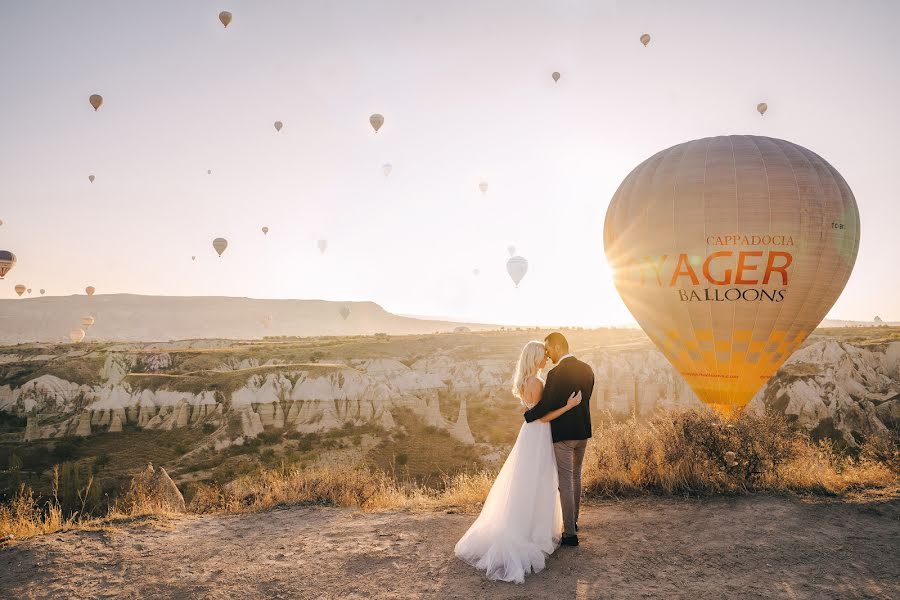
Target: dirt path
column 756, row 547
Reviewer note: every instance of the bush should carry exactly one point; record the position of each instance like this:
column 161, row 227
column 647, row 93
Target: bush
column 402, row 459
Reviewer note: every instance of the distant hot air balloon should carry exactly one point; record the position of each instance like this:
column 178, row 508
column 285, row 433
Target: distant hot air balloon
column 193, row 258
column 555, row 76
column 323, row 245
column 278, row 125
column 28, row 290
column 645, row 39
column 267, row 320
column 729, row 251
column 7, row 262
column 762, row 107
column 877, row 319
column 91, row 178
column 511, row 250
column 483, row 186
column 89, row 290
column 376, row 121
column 209, row 171
column 516, row 266
column 475, row 272
column 86, row 322
column 220, row 244
column 265, row 230
column 20, row 289
column 345, row 312
column 76, row 335
column 96, row 101
column 225, row 18
column 43, row 291
column 386, row 169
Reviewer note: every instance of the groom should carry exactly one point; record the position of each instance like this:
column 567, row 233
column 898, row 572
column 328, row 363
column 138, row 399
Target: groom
column 571, row 430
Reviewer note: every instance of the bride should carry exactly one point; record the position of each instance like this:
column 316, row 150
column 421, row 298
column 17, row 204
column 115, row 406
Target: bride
column 521, row 521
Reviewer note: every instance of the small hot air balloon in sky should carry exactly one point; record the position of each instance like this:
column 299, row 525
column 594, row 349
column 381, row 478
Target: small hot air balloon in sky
column 475, row 272
column 265, row 230
column 645, row 39
column 726, row 271
column 91, row 178
column 511, row 250
column 96, row 101
column 76, row 335
column 43, row 291
column 345, row 312
column 193, row 258
column 278, row 125
column 762, row 107
column 386, row 169
column 20, row 289
column 225, row 18
column 28, row 290
column 89, row 290
column 483, row 186
column 323, row 245
column 555, row 76
column 209, row 171
column 86, row 322
column 267, row 320
column 7, row 262
column 376, row 121
column 516, row 266
column 219, row 244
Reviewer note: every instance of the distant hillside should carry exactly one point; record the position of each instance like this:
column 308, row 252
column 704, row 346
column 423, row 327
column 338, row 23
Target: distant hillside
column 134, row 317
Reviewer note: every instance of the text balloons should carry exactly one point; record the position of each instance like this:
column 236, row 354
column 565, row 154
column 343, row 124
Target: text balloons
column 7, row 262
column 729, row 251
column 89, row 290
column 762, row 107
column 96, row 101
column 376, row 121
column 20, row 289
column 225, row 18
column 645, row 39
column 219, row 244
column 516, row 266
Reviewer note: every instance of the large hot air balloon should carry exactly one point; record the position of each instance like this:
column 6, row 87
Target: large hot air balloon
column 645, row 39
column 323, row 245
column 483, row 186
column 345, row 312
column 7, row 262
column 89, row 290
column 511, row 250
column 386, row 169
column 43, row 291
column 91, row 178
column 220, row 244
column 225, row 18
column 278, row 125
column 555, row 76
column 265, row 230
column 96, row 101
column 516, row 266
column 76, row 335
column 20, row 289
column 762, row 107
column 729, row 251
column 86, row 322
column 376, row 121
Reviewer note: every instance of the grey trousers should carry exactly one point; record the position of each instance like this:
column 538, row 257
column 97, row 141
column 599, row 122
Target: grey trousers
column 569, row 456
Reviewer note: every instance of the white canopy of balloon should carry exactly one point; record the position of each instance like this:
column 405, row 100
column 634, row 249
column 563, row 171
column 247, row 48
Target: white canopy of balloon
column 516, row 266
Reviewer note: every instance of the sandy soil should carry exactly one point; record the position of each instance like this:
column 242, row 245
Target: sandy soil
column 754, row 547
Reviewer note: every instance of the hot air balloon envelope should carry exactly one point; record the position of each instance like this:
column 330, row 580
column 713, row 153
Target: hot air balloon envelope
column 20, row 289
column 645, row 39
column 265, row 230
column 323, row 245
column 225, row 18
column 91, row 178
column 483, row 186
column 762, row 107
column 76, row 335
column 7, row 262
column 86, row 322
column 345, row 312
column 96, row 101
column 89, row 290
column 516, row 266
column 278, row 125
column 555, row 76
column 386, row 169
column 729, row 251
column 219, row 244
column 376, row 121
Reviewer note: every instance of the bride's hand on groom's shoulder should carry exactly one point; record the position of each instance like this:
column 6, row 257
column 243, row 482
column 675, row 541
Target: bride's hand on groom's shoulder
column 574, row 400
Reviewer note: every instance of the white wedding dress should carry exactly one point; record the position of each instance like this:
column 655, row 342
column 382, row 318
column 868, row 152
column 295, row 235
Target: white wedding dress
column 521, row 521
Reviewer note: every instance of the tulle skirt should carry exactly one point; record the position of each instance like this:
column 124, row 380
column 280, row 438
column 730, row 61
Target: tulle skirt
column 521, row 522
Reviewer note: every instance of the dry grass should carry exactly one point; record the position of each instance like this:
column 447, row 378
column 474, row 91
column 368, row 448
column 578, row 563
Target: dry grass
column 690, row 453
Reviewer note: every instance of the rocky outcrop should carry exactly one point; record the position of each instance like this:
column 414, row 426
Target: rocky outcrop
column 155, row 486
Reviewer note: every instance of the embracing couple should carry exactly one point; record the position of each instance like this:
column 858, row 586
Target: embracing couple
column 533, row 505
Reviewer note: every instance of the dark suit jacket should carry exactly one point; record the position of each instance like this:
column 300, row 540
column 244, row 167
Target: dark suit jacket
column 568, row 376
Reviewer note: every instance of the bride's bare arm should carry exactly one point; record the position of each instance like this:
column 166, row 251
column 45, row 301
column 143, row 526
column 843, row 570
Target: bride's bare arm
column 573, row 401
column 533, row 390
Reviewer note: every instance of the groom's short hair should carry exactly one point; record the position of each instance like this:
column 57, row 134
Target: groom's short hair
column 557, row 339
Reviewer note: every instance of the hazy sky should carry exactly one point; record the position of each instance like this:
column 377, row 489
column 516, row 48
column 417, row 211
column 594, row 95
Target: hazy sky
column 466, row 92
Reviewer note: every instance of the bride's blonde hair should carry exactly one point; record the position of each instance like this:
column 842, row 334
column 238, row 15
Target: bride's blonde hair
column 529, row 359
